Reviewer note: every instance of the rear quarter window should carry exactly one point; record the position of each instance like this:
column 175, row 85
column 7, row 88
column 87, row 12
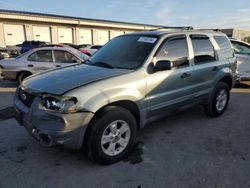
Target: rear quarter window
column 225, row 46
column 203, row 49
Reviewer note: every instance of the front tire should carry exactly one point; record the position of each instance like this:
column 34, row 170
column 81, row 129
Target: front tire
column 218, row 101
column 111, row 136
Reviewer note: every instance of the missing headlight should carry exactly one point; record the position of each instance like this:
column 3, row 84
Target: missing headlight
column 65, row 105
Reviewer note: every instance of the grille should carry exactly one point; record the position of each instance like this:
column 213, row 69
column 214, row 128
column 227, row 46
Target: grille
column 26, row 98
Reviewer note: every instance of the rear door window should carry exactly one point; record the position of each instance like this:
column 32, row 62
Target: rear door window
column 41, row 56
column 225, row 46
column 203, row 49
column 175, row 50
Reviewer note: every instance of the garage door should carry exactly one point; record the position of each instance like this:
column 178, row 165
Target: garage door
column 85, row 36
column 65, row 35
column 41, row 33
column 13, row 34
column 102, row 37
column 118, row 33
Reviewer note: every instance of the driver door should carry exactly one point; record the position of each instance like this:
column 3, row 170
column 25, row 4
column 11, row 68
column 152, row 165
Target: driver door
column 168, row 88
column 64, row 58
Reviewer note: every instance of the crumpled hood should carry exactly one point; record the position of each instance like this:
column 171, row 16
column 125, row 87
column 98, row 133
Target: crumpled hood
column 64, row 79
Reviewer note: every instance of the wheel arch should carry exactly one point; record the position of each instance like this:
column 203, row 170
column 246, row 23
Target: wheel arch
column 127, row 104
column 23, row 71
column 228, row 80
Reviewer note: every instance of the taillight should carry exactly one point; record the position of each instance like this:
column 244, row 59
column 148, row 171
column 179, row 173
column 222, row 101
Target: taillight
column 85, row 51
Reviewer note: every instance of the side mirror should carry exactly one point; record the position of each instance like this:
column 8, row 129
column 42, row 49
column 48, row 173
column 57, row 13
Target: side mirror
column 163, row 65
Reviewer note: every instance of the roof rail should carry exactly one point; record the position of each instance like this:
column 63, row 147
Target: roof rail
column 216, row 30
column 182, row 28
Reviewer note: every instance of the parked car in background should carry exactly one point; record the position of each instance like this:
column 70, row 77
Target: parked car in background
column 16, row 47
column 38, row 60
column 242, row 51
column 70, row 45
column 8, row 53
column 90, row 50
column 133, row 80
column 29, row 45
column 83, row 46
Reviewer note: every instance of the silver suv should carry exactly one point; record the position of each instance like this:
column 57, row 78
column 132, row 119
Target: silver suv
column 134, row 79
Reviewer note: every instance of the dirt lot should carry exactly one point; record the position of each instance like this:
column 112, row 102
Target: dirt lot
column 188, row 149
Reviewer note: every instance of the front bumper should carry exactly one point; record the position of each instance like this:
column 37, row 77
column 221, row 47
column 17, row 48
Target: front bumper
column 9, row 75
column 51, row 128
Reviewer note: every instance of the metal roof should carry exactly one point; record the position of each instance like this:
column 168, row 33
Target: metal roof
column 74, row 18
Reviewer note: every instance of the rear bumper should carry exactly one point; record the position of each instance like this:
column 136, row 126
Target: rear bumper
column 244, row 77
column 50, row 128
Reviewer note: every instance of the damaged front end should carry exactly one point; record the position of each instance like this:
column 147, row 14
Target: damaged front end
column 52, row 120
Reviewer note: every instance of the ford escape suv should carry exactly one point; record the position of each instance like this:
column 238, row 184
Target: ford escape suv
column 134, row 79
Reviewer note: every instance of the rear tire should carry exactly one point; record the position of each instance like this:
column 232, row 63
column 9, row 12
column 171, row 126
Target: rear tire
column 218, row 100
column 111, row 135
column 22, row 76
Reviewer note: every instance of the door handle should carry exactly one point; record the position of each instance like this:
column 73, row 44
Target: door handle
column 58, row 65
column 30, row 65
column 215, row 68
column 185, row 75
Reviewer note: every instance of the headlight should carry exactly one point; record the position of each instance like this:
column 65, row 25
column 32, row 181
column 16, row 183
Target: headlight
column 64, row 105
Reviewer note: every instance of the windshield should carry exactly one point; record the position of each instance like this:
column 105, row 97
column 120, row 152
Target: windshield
column 22, row 55
column 125, row 52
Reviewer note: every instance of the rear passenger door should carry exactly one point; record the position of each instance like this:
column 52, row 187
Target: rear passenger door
column 205, row 63
column 63, row 58
column 40, row 60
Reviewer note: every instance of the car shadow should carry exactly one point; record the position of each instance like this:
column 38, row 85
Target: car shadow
column 8, row 84
column 243, row 85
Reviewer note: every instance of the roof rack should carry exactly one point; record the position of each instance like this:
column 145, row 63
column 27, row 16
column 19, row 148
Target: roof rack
column 182, row 28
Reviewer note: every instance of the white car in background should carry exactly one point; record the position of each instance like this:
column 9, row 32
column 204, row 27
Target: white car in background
column 242, row 51
column 39, row 60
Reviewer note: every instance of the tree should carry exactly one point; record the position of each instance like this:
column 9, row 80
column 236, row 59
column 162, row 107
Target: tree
column 247, row 39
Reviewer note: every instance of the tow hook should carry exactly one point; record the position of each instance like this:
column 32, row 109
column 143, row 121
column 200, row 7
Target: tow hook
column 43, row 139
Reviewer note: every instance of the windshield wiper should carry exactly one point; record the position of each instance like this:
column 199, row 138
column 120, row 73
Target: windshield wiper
column 103, row 64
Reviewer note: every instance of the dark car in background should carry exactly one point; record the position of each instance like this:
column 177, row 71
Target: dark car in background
column 70, row 45
column 29, row 45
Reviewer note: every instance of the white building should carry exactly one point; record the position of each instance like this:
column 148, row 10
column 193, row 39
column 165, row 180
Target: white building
column 16, row 27
column 237, row 33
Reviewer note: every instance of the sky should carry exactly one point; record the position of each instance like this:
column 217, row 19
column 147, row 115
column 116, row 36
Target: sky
column 196, row 13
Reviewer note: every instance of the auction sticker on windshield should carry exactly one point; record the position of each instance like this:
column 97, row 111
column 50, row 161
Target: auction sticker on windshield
column 147, row 40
